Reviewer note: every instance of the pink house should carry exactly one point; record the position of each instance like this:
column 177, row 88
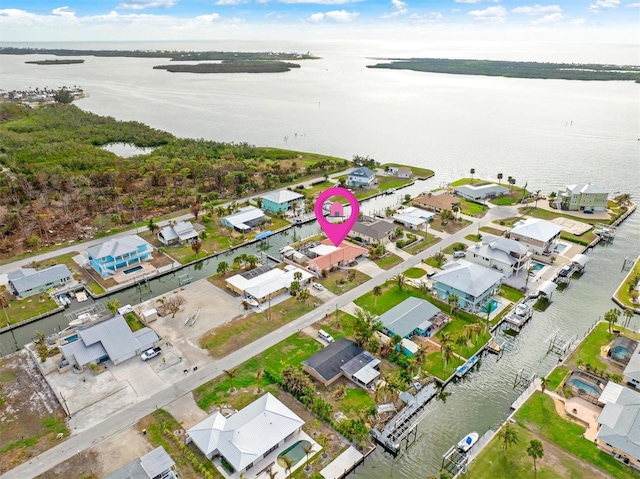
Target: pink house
column 337, row 210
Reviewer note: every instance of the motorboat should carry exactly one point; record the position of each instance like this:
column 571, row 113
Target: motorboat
column 468, row 441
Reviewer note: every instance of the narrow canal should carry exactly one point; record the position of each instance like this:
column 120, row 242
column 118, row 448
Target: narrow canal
column 482, row 400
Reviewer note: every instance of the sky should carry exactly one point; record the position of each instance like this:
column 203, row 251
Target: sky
column 133, row 20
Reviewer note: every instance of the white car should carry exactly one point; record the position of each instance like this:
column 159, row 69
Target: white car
column 459, row 254
column 318, row 286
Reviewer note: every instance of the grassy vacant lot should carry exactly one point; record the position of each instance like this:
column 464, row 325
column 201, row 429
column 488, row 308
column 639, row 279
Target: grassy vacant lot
column 422, row 245
column 567, row 453
column 415, row 273
column 623, row 291
column 415, row 171
column 315, row 190
column 473, row 209
column 19, row 310
column 338, row 282
column 240, row 332
column 510, row 293
column 491, row 231
column 450, row 226
column 389, row 261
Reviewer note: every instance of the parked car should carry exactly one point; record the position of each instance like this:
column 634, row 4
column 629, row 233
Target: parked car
column 150, row 353
column 459, row 254
column 326, row 336
column 318, row 286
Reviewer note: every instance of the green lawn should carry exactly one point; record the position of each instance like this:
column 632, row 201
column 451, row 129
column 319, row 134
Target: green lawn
column 431, row 261
column 240, row 332
column 424, row 244
column 491, row 231
column 414, row 273
column 338, row 282
column 389, row 261
column 134, row 323
column 472, row 209
column 23, row 309
column 556, row 377
column 549, row 215
column 623, row 290
column 415, row 171
column 454, row 247
column 291, row 351
column 342, row 328
column 510, row 293
column 355, row 400
column 475, row 238
column 315, row 190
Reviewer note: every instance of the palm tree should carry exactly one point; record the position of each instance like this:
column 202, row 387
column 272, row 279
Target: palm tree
column 500, row 176
column 377, row 291
column 445, row 338
column 231, row 374
column 473, row 172
column 287, row 465
column 447, row 352
column 259, row 374
column 420, row 356
column 509, row 178
column 544, row 382
column 536, row 197
column 461, row 341
column 400, row 279
column 395, row 340
column 509, row 436
column 252, row 260
column 307, row 448
column 272, row 474
column 453, row 300
column 535, row 451
column 456, row 210
column 476, row 328
column 611, row 317
column 223, row 267
column 489, row 307
column 628, row 314
column 113, row 305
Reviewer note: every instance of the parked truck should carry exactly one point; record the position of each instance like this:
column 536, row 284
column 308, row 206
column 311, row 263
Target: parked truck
column 150, row 353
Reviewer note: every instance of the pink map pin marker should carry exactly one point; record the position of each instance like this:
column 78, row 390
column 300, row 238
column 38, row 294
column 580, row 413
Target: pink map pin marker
column 337, row 232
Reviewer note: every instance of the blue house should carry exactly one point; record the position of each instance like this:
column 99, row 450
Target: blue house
column 473, row 284
column 281, row 200
column 110, row 257
column 414, row 316
column 361, row 177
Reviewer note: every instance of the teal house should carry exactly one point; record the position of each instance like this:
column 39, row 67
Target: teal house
column 110, row 257
column 281, row 200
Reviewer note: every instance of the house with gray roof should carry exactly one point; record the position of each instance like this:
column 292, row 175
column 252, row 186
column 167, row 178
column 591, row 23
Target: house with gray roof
column 156, row 464
column 413, row 218
column 473, row 284
column 111, row 339
column 248, row 436
column 117, row 254
column 26, row 282
column 281, row 200
column 414, row 316
column 245, row 219
column 343, row 358
column 619, row 424
column 480, row 191
column 631, row 373
column 502, row 254
column 372, row 232
column 178, row 233
column 583, row 197
column 361, row 177
column 540, row 236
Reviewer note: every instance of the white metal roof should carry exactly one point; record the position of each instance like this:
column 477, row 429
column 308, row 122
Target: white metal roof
column 468, row 277
column 117, row 247
column 323, row 249
column 248, row 213
column 410, row 345
column 581, row 259
column 405, row 317
column 267, row 283
column 245, row 436
column 537, row 229
column 586, row 188
column 156, row 462
column 282, row 196
column 479, row 191
column 611, row 393
column 547, row 287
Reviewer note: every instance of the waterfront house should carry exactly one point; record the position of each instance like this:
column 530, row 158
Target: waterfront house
column 413, row 317
column 156, row 464
column 631, row 373
column 328, row 256
column 436, row 201
column 502, row 254
column 281, row 200
column 583, row 197
column 473, row 284
column 413, row 218
column 404, row 172
column 111, row 339
column 361, row 177
column 114, row 255
column 245, row 219
column 619, row 424
column 372, row 232
column 246, row 437
column 480, row 191
column 263, row 282
column 540, row 236
column 621, row 350
column 343, row 358
column 26, row 282
column 178, row 233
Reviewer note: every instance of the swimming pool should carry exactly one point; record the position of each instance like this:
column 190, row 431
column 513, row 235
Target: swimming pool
column 294, row 452
column 585, row 386
column 620, row 353
column 535, row 268
column 132, row 270
column 560, row 247
column 492, row 305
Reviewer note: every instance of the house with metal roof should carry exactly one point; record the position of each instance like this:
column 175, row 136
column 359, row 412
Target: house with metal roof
column 540, row 236
column 281, row 200
column 583, row 197
column 156, row 464
column 117, row 254
column 372, row 232
column 179, row 233
column 413, row 218
column 361, row 177
column 264, row 282
column 473, row 284
column 343, row 358
column 330, row 256
column 111, row 339
column 480, row 191
column 619, row 424
column 245, row 219
column 414, row 316
column 502, row 254
column 248, row 436
column 631, row 373
column 26, row 282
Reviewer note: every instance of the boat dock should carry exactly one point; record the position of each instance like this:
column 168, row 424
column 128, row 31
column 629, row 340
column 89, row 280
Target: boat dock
column 520, row 316
column 496, row 345
column 405, row 421
column 468, row 366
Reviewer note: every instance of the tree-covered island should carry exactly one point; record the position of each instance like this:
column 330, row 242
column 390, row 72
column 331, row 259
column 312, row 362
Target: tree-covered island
column 231, row 66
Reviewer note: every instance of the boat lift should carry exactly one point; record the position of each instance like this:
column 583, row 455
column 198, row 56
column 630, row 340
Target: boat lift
column 523, row 379
column 560, row 342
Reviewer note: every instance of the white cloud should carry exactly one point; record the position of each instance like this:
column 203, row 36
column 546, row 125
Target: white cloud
column 338, row 16
column 144, row 4
column 537, row 10
column 578, row 21
column 429, row 17
column 603, row 4
column 468, row 1
column 231, row 2
column 633, row 5
column 493, row 15
column 547, row 19
column 321, row 2
column 399, row 8
column 207, row 18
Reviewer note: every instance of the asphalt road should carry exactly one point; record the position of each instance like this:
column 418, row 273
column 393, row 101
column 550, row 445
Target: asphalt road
column 131, row 415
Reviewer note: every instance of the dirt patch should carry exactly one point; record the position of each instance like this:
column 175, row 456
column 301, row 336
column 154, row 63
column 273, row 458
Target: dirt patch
column 30, row 416
column 83, row 465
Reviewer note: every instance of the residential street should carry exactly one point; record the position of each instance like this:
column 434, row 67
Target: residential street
column 133, row 414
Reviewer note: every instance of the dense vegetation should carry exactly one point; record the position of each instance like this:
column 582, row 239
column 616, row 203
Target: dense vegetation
column 57, row 184
column 558, row 71
column 55, row 62
column 232, row 66
column 173, row 54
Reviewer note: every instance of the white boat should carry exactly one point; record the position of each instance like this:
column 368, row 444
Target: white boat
column 83, row 319
column 469, row 440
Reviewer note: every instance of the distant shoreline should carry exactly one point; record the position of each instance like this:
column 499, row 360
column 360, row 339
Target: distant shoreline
column 231, row 67
column 55, row 62
column 513, row 69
